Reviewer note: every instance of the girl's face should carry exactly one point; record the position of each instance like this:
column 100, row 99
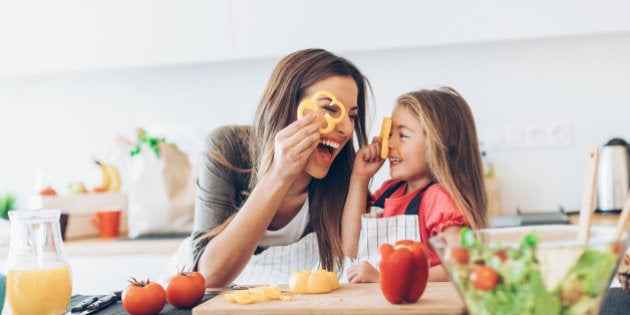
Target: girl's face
column 407, row 156
column 330, row 144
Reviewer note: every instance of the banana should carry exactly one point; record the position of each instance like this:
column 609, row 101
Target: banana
column 105, row 182
column 114, row 177
column 110, row 178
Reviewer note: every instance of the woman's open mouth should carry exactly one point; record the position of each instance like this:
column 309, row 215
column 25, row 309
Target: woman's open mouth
column 327, row 148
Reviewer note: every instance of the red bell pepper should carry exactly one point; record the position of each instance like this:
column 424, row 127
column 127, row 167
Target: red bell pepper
column 404, row 269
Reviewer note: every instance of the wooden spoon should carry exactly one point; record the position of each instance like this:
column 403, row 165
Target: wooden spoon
column 623, row 218
column 586, row 211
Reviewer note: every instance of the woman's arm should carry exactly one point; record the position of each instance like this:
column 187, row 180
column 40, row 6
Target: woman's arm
column 225, row 255
column 367, row 163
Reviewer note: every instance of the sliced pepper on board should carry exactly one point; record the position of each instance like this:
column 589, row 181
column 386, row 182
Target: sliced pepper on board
column 404, row 270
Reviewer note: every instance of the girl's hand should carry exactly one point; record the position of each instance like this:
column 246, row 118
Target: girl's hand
column 368, row 160
column 362, row 273
column 294, row 145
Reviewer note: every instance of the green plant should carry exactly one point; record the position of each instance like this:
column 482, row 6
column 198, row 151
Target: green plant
column 152, row 142
column 7, row 203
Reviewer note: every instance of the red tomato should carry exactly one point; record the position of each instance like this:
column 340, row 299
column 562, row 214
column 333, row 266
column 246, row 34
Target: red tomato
column 484, row 278
column 501, row 254
column 48, row 191
column 186, row 289
column 143, row 297
column 458, row 254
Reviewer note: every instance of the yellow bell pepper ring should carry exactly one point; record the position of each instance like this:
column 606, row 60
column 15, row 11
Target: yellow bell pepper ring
column 386, row 128
column 313, row 105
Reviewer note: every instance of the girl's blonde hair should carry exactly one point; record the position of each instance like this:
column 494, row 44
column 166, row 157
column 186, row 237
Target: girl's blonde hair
column 452, row 149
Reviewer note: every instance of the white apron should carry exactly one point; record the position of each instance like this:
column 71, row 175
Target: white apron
column 276, row 264
column 376, row 230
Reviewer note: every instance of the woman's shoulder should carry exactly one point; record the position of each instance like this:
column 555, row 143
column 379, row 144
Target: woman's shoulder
column 228, row 134
column 231, row 143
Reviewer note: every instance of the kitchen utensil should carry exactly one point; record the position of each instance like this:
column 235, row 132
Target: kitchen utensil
column 38, row 273
column 586, row 210
column 95, row 304
column 613, row 176
column 623, row 218
column 548, row 272
column 84, row 304
column 218, row 290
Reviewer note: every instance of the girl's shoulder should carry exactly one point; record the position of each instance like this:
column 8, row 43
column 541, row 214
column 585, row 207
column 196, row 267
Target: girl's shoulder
column 437, row 194
column 388, row 184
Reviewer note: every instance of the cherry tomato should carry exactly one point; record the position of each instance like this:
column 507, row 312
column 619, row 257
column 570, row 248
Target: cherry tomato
column 48, row 191
column 143, row 297
column 186, row 289
column 484, row 278
column 460, row 255
column 501, row 254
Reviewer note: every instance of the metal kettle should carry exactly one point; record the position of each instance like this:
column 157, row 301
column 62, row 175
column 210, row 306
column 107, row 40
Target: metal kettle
column 613, row 175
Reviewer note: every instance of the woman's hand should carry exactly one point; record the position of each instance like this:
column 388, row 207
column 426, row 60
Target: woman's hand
column 363, row 272
column 368, row 160
column 294, row 145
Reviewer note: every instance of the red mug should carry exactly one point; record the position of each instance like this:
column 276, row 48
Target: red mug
column 107, row 222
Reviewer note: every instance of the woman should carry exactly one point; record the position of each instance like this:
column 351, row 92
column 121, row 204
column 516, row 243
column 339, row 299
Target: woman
column 270, row 197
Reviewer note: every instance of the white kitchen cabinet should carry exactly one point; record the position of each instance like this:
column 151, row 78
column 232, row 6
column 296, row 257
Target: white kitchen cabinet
column 275, row 27
column 66, row 35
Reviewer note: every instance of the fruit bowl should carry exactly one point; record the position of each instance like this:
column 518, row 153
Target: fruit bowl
column 539, row 269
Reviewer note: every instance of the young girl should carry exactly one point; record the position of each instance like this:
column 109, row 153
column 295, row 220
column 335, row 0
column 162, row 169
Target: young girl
column 436, row 174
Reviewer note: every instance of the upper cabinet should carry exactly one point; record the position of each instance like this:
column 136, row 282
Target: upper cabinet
column 68, row 35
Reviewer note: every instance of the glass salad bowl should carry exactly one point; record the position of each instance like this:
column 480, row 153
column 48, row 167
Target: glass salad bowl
column 539, row 269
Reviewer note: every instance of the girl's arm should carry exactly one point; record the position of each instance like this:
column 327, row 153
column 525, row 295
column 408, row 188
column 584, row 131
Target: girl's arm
column 367, row 162
column 438, row 273
column 225, row 256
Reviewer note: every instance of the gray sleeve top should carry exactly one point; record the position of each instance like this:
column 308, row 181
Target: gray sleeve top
column 220, row 190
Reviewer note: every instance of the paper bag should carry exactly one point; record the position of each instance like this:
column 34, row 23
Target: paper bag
column 161, row 192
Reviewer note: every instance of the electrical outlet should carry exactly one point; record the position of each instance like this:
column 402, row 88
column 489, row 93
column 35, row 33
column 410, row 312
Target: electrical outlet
column 528, row 135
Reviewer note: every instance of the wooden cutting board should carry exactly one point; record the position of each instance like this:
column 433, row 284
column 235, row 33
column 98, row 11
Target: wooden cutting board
column 365, row 298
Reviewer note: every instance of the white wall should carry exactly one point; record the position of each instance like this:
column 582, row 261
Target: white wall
column 56, row 122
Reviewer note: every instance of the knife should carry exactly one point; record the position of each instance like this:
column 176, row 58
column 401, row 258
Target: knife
column 218, row 290
column 97, row 304
column 84, row 304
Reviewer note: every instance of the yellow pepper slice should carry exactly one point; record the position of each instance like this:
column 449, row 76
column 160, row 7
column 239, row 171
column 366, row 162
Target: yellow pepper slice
column 257, row 295
column 312, row 105
column 386, row 128
column 313, row 282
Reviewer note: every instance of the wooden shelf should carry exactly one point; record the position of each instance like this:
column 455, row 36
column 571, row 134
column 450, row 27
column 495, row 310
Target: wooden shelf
column 121, row 246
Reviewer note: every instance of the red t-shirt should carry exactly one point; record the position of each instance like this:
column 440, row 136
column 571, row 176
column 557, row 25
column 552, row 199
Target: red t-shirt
column 437, row 210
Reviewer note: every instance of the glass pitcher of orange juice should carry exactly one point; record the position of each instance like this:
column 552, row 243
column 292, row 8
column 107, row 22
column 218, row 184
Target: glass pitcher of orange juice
column 38, row 274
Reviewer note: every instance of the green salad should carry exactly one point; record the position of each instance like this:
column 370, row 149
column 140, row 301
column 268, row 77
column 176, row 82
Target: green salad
column 529, row 279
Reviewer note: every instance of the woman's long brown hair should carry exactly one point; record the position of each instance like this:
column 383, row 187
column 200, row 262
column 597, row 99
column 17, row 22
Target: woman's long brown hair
column 278, row 108
column 452, row 149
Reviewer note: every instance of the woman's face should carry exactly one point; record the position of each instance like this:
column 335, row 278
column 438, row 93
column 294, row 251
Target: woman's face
column 407, row 156
column 346, row 91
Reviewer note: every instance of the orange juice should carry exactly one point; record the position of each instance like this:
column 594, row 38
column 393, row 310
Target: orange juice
column 39, row 291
